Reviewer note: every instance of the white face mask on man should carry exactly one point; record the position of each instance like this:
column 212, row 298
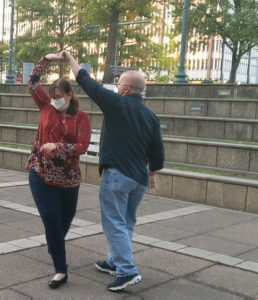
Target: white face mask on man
column 59, row 104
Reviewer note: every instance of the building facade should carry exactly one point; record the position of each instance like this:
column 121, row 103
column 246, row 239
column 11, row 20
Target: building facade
column 211, row 61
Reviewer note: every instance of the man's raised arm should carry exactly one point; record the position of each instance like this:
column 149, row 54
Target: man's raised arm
column 73, row 63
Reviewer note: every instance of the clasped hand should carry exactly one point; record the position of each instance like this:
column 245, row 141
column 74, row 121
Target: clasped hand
column 59, row 57
column 48, row 148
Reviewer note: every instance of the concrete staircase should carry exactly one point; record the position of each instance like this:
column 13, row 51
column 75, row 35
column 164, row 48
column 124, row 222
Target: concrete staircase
column 205, row 139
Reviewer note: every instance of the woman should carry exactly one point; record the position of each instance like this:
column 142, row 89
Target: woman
column 63, row 134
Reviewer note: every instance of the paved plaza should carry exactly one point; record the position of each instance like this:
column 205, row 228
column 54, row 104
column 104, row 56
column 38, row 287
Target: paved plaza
column 183, row 250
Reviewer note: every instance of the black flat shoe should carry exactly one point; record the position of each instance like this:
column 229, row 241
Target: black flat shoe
column 54, row 284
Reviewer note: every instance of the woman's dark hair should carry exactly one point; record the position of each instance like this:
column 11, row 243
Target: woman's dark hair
column 65, row 87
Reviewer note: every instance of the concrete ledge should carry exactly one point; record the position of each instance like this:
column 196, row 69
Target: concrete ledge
column 165, row 89
column 221, row 191
column 180, row 126
column 205, row 107
column 211, row 154
column 180, row 106
column 203, row 90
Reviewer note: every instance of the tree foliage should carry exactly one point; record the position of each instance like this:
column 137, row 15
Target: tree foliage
column 50, row 26
column 236, row 21
column 3, row 57
column 128, row 45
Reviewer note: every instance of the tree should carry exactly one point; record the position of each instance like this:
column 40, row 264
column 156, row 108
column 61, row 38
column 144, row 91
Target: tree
column 236, row 21
column 168, row 59
column 134, row 42
column 3, row 57
column 50, row 26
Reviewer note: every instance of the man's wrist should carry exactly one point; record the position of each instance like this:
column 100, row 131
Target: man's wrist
column 151, row 173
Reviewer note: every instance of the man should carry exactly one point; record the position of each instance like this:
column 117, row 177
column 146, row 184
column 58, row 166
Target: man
column 130, row 145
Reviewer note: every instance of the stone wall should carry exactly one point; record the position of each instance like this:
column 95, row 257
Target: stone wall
column 221, row 191
column 170, row 90
column 203, row 90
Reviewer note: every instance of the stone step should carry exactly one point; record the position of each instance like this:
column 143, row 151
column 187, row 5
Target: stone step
column 213, row 154
column 167, row 90
column 246, row 91
column 23, row 88
column 187, row 126
column 25, row 101
column 208, row 107
column 210, row 127
column 222, row 191
column 212, row 170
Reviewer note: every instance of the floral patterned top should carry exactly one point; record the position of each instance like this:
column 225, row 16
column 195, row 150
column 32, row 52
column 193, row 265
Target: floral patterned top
column 71, row 135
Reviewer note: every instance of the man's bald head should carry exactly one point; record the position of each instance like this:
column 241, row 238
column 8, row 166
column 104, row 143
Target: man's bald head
column 134, row 80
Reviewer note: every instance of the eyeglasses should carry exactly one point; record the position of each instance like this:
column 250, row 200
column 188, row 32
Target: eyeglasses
column 117, row 84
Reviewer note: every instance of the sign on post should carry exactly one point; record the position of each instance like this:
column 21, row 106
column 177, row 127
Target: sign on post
column 26, row 70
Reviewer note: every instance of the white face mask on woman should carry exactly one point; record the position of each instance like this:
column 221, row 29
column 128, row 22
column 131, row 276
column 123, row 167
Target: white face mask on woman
column 59, row 104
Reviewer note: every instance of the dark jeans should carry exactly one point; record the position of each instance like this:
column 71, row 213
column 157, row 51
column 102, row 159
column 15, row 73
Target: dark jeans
column 57, row 207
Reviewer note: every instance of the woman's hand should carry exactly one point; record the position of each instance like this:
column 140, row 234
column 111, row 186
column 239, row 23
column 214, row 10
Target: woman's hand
column 55, row 57
column 48, row 148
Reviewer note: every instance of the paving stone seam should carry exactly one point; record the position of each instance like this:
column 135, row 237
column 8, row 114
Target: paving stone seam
column 150, row 218
column 227, row 239
column 230, row 261
column 92, row 229
column 173, row 277
column 222, row 259
column 19, row 292
column 13, row 286
column 13, row 184
column 215, row 287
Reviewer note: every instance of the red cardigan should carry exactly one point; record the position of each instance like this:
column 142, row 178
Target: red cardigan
column 71, row 136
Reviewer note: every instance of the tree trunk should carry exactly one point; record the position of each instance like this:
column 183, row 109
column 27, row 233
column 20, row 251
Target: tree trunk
column 61, row 70
column 209, row 59
column 111, row 47
column 234, row 65
column 61, row 42
column 248, row 67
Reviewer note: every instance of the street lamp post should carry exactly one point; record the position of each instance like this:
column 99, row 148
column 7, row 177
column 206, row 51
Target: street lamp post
column 10, row 78
column 181, row 75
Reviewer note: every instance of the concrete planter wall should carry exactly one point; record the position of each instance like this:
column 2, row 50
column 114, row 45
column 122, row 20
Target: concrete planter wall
column 184, row 126
column 23, row 88
column 169, row 90
column 232, row 193
column 221, row 108
column 212, row 154
column 25, row 101
column 203, row 90
column 181, row 151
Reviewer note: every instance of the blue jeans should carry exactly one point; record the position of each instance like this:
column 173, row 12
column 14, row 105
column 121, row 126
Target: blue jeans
column 119, row 198
column 57, row 207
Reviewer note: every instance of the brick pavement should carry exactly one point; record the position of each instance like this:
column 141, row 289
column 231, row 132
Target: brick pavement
column 183, row 250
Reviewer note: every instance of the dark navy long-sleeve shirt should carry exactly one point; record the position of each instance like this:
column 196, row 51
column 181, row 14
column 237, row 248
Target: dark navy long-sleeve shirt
column 130, row 137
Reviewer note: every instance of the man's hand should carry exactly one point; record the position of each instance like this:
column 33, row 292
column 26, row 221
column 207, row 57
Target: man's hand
column 152, row 184
column 66, row 55
column 48, row 148
column 73, row 63
column 55, row 57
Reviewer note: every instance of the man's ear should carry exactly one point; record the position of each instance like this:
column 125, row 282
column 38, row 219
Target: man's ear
column 127, row 91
